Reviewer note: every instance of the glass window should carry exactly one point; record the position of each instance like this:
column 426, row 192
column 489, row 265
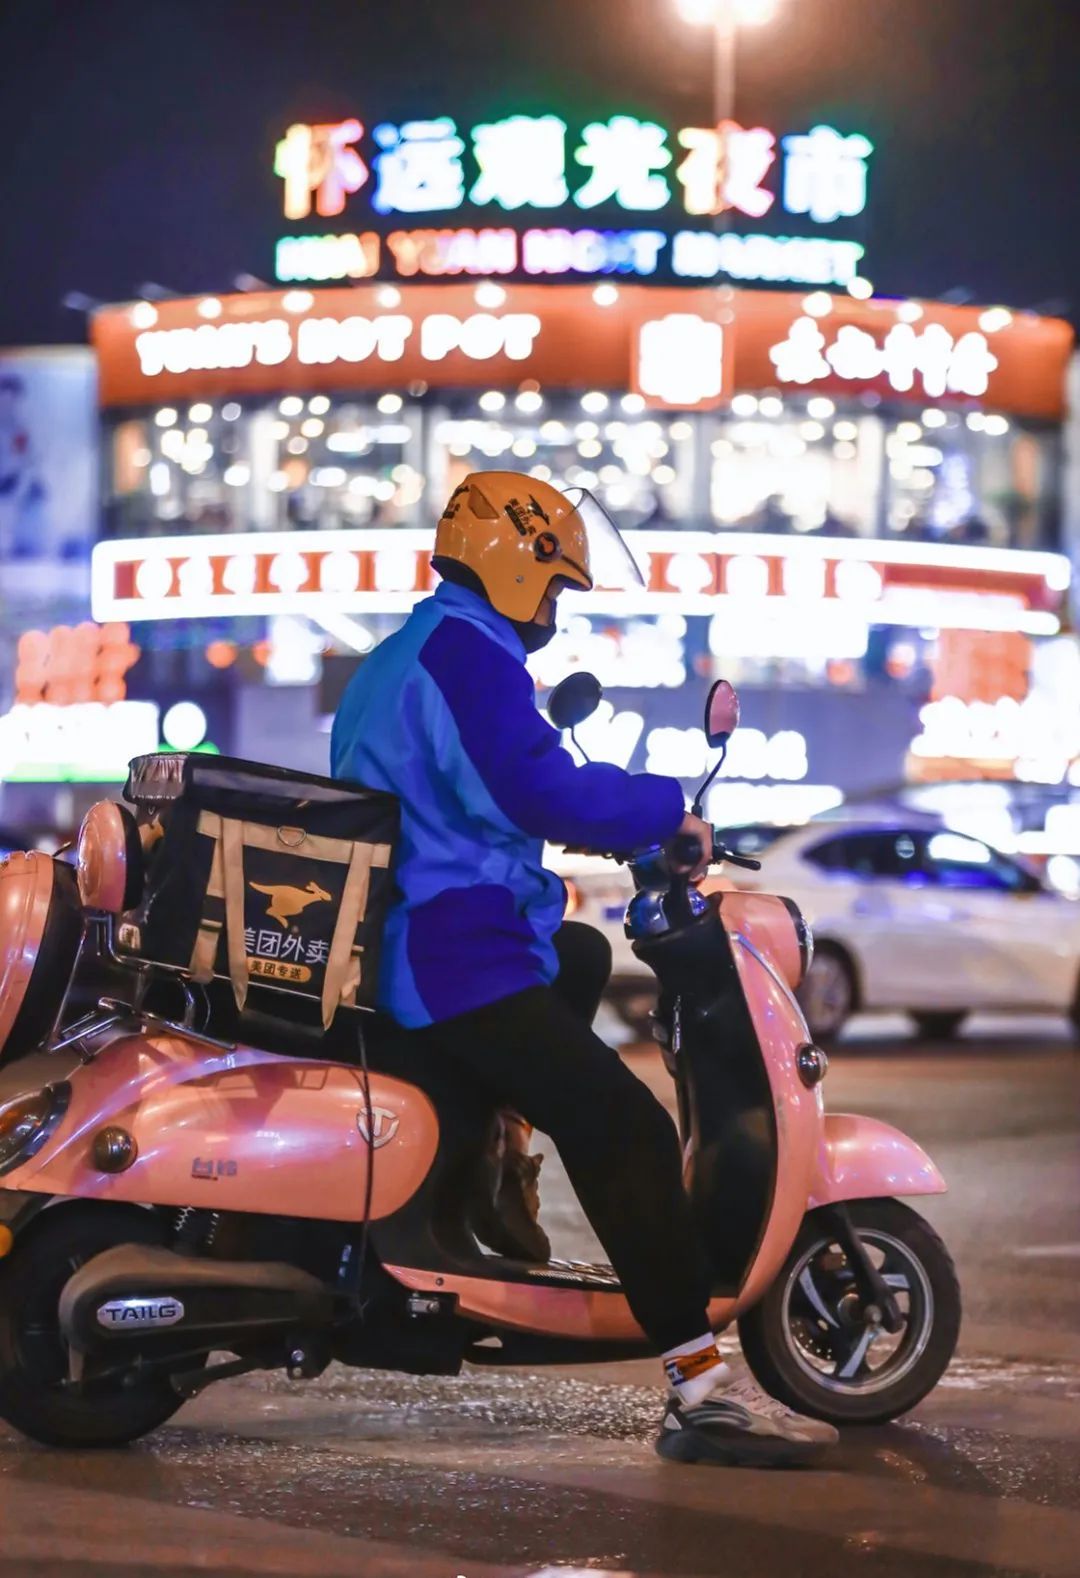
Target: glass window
column 871, row 854
column 972, row 478
column 296, row 463
column 752, row 838
column 794, row 465
column 802, row 464
column 789, row 464
column 637, row 462
column 956, row 861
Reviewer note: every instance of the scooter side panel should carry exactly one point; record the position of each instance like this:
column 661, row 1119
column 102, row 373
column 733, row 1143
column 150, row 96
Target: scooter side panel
column 862, row 1158
column 237, row 1131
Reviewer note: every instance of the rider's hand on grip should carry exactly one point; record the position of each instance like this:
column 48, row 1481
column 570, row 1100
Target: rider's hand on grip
column 691, row 848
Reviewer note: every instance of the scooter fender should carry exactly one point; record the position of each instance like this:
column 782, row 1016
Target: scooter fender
column 236, row 1130
column 863, row 1158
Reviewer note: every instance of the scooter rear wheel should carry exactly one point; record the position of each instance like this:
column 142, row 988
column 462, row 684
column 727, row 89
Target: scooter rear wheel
column 809, row 1342
column 33, row 1353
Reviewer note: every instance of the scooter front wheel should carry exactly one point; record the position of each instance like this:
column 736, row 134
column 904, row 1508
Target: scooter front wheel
column 813, row 1344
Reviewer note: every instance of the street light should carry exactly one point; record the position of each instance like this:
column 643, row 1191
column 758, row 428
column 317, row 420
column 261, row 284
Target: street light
column 748, row 13
column 725, row 17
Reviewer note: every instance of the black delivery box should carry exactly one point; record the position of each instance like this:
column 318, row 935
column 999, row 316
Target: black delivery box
column 263, row 876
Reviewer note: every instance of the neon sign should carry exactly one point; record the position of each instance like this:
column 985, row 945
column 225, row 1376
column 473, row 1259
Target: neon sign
column 725, row 167
column 945, row 365
column 86, row 742
column 319, row 159
column 714, row 574
column 319, row 342
column 825, row 174
column 522, row 162
column 796, row 260
column 681, row 359
column 453, row 251
column 591, row 251
column 625, row 156
column 329, row 257
column 693, row 254
column 419, row 167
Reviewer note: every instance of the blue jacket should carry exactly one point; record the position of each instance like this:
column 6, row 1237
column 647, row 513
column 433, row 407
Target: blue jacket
column 443, row 714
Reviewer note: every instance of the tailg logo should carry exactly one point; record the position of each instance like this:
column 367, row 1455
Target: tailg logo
column 140, row 1314
column 286, row 902
column 384, row 1125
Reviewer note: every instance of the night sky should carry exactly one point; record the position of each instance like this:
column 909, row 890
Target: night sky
column 139, row 134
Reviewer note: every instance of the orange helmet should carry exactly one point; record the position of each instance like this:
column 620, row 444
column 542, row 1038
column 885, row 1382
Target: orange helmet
column 519, row 535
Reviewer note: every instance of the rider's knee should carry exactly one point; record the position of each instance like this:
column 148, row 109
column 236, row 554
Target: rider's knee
column 586, row 951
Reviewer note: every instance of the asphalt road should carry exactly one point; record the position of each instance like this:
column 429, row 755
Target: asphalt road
column 362, row 1473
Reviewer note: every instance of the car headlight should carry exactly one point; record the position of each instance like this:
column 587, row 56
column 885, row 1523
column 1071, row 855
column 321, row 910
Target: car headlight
column 805, row 936
column 26, row 1123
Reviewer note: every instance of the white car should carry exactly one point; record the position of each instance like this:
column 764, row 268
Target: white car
column 904, row 916
column 917, row 917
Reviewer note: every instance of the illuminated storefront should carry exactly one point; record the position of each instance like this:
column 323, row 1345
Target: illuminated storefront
column 825, row 491
column 838, row 499
column 747, row 410
column 575, row 296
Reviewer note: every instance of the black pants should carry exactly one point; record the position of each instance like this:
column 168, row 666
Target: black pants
column 536, row 1052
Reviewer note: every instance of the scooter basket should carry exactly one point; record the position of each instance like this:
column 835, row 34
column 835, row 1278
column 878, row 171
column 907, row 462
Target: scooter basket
column 264, row 876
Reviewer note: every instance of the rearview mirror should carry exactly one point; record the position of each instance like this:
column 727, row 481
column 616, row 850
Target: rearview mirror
column 721, row 713
column 574, row 699
column 721, row 721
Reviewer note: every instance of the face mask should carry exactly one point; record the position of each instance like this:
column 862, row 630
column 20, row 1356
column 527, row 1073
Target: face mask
column 533, row 637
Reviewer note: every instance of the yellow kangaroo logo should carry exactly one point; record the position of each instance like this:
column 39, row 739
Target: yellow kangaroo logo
column 286, row 902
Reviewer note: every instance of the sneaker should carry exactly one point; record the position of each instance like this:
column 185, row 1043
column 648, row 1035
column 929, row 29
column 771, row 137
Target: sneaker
column 739, row 1425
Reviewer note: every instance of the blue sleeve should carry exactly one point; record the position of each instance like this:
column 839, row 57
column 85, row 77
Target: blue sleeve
column 519, row 757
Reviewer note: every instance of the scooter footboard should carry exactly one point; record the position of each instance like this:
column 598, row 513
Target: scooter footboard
column 863, row 1158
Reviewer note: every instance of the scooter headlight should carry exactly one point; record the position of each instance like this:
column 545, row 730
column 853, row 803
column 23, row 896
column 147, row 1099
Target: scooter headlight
column 805, row 937
column 27, row 1122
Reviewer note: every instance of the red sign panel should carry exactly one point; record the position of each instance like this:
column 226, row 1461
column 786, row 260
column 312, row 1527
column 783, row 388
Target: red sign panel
column 682, row 348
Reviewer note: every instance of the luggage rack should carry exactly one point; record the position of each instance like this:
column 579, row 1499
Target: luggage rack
column 114, row 1012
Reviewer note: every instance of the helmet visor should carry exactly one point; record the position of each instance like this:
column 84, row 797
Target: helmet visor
column 611, row 563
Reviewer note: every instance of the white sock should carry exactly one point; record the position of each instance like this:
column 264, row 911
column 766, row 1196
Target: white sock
column 695, row 1369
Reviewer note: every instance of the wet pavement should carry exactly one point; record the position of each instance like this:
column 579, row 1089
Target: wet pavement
column 512, row 1472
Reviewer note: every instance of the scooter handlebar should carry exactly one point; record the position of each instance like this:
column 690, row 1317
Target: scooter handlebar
column 721, row 853
column 686, row 850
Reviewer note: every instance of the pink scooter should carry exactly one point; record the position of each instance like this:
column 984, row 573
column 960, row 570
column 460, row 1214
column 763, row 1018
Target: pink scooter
column 182, row 1194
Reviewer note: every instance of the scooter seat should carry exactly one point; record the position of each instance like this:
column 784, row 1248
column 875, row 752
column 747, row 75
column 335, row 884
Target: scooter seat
column 291, row 1026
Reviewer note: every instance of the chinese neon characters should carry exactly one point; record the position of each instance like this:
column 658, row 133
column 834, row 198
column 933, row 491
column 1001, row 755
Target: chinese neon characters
column 319, row 160
column 526, row 161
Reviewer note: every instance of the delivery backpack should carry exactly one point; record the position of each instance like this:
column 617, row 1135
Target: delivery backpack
column 262, row 876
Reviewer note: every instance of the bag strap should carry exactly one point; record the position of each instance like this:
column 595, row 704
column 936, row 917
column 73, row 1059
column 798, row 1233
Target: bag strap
column 232, row 859
column 204, row 953
column 343, row 964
